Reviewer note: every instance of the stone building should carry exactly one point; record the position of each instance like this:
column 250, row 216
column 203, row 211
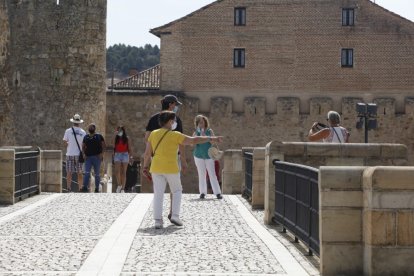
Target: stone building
column 52, row 65
column 265, row 70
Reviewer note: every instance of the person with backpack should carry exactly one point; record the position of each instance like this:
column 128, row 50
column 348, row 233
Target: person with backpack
column 92, row 147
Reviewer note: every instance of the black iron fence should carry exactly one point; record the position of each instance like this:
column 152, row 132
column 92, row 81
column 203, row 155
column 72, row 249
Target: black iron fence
column 248, row 174
column 297, row 202
column 26, row 174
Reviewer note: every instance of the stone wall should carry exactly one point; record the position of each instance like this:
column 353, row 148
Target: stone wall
column 255, row 127
column 293, row 48
column 6, row 105
column 52, row 64
column 366, row 220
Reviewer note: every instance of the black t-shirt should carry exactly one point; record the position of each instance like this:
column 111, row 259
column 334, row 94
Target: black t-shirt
column 153, row 123
column 93, row 144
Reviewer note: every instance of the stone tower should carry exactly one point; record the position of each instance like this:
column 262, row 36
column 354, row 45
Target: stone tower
column 52, row 65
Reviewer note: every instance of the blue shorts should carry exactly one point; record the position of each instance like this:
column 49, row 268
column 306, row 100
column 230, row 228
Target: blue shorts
column 122, row 157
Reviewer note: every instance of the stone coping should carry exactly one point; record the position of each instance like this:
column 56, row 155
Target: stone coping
column 339, row 150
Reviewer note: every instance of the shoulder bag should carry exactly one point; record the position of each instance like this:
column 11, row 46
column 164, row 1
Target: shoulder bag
column 80, row 158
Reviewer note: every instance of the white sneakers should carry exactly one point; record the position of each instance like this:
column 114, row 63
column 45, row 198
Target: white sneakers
column 118, row 189
column 176, row 221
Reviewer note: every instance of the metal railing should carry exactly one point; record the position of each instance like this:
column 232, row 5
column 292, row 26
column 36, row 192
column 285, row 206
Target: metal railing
column 297, row 202
column 147, row 79
column 26, row 174
column 248, row 174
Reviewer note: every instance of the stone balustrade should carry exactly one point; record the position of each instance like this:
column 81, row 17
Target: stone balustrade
column 366, row 224
column 326, row 154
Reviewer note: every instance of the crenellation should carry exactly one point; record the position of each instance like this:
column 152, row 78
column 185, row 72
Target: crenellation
column 386, row 107
column 288, row 106
column 221, row 106
column 254, row 106
column 320, row 106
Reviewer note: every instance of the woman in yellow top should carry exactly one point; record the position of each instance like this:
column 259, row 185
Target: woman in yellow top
column 162, row 146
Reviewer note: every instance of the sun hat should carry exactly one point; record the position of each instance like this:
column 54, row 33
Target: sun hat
column 214, row 153
column 171, row 99
column 76, row 119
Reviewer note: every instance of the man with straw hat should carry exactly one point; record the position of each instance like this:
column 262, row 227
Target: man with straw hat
column 73, row 140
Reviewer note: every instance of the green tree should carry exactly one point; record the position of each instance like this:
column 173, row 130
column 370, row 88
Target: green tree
column 122, row 58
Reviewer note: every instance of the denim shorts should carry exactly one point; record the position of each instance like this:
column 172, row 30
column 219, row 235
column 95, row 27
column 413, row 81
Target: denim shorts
column 122, row 157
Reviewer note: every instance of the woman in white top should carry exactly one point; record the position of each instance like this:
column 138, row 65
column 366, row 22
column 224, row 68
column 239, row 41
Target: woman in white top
column 333, row 133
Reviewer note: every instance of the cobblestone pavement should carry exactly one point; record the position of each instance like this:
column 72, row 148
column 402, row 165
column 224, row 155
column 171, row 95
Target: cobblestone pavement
column 60, row 236
column 8, row 209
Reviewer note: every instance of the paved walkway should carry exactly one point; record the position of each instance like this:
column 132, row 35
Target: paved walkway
column 113, row 234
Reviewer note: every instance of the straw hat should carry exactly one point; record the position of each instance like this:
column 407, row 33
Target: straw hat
column 76, row 119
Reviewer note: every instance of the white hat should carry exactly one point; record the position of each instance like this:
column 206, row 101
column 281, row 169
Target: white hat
column 76, row 119
column 215, row 153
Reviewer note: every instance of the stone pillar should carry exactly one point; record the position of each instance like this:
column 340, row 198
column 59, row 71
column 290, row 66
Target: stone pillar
column 245, row 149
column 7, row 168
column 232, row 173
column 340, row 220
column 51, row 171
column 388, row 221
column 269, row 182
column 258, row 178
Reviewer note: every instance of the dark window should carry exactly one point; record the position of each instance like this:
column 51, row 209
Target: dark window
column 347, row 17
column 347, row 58
column 239, row 16
column 239, row 57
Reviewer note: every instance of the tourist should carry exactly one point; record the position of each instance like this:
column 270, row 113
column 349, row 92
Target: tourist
column 333, row 133
column 92, row 147
column 202, row 160
column 73, row 150
column 162, row 146
column 169, row 103
column 122, row 153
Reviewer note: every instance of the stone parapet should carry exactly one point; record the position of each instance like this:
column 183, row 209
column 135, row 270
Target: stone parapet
column 258, row 177
column 233, row 173
column 7, row 179
column 51, row 171
column 327, row 154
column 366, row 220
column 388, row 224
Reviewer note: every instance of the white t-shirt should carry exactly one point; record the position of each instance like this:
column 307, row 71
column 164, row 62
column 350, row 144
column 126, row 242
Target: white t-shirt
column 73, row 149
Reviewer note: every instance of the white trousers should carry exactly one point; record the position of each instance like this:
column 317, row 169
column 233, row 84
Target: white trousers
column 160, row 182
column 204, row 165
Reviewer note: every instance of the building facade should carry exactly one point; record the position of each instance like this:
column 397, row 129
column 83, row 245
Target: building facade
column 300, row 48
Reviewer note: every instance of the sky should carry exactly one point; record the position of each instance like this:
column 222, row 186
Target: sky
column 129, row 21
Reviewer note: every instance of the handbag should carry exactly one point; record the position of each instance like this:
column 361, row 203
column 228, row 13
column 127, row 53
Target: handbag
column 214, row 152
column 80, row 158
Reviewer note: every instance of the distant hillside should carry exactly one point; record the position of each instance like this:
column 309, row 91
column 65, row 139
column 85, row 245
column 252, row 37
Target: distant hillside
column 122, row 58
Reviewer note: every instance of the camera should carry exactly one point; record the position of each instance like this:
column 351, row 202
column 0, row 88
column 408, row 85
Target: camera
column 320, row 126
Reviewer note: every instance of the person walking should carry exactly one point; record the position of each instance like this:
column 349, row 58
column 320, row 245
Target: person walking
column 169, row 103
column 122, row 154
column 92, row 147
column 73, row 138
column 162, row 147
column 334, row 133
column 202, row 160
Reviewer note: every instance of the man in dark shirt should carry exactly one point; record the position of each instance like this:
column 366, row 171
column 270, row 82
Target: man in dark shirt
column 92, row 148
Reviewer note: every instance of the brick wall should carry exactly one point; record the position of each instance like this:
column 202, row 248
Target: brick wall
column 293, row 48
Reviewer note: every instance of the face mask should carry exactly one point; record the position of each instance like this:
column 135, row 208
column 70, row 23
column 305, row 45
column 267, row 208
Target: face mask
column 174, row 125
column 120, row 133
column 198, row 129
column 175, row 110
